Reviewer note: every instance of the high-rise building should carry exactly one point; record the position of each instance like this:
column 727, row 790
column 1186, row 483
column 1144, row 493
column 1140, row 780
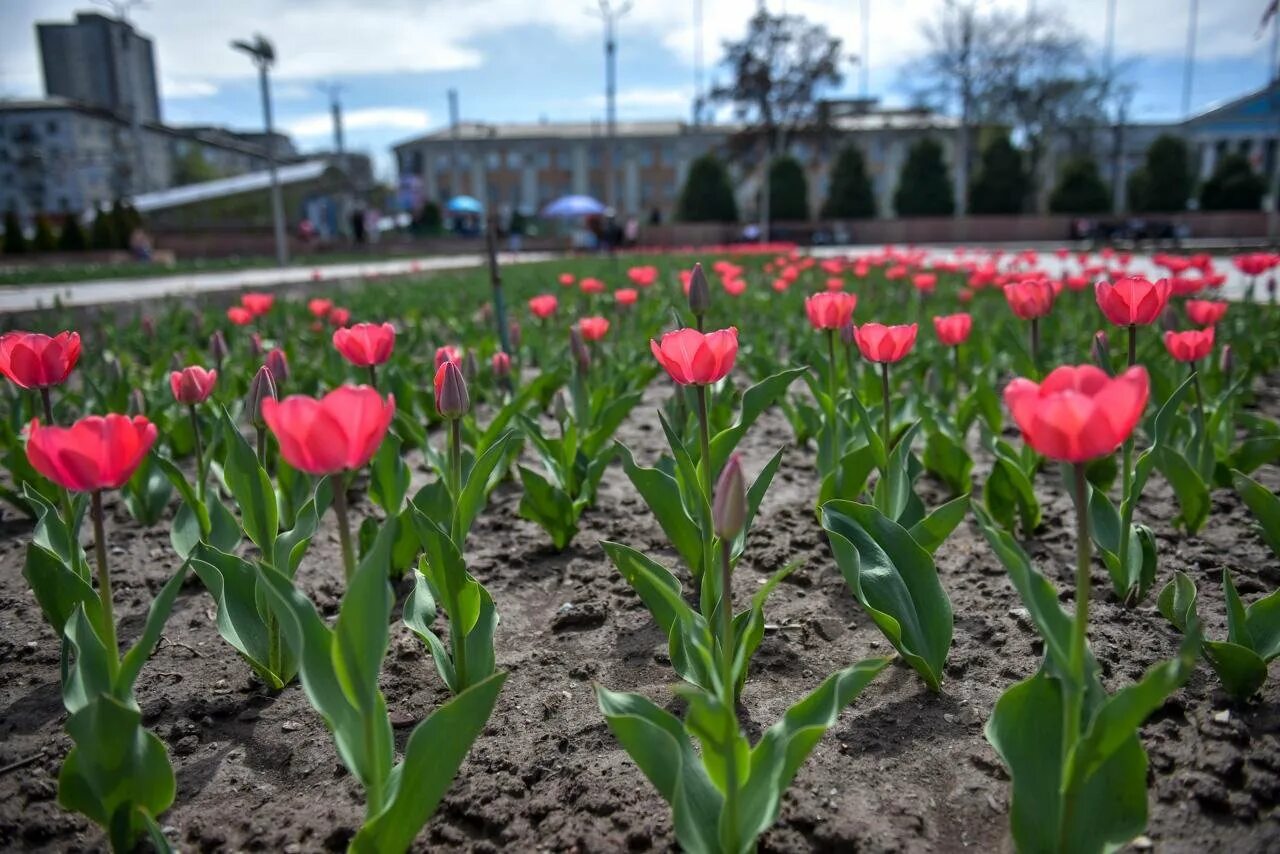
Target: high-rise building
column 102, row 62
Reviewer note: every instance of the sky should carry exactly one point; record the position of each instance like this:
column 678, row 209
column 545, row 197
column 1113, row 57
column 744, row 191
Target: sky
column 515, row 60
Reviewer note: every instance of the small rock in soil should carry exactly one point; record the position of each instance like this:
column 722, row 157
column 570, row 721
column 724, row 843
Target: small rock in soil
column 579, row 616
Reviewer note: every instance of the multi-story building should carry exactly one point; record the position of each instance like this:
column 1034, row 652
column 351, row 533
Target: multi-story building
column 525, row 166
column 102, row 62
column 60, row 156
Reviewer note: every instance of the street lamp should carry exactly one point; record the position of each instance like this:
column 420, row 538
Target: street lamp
column 263, row 56
column 611, row 14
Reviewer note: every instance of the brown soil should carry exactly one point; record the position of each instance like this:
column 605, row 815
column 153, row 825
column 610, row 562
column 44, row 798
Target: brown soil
column 902, row 770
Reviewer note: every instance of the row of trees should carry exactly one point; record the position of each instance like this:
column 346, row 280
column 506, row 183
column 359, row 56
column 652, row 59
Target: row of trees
column 1002, row 185
column 110, row 229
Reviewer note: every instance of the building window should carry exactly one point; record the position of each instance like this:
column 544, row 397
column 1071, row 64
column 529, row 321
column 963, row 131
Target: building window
column 514, row 160
column 494, row 160
column 669, row 154
column 564, row 159
column 646, row 156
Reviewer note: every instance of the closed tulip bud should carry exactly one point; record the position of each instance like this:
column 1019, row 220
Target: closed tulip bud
column 114, row 373
column 699, row 292
column 255, row 345
column 148, row 326
column 262, row 387
column 848, row 334
column 1227, row 361
column 501, row 365
column 1102, row 352
column 137, row 403
column 278, row 364
column 452, row 399
column 470, row 368
column 1169, row 321
column 729, row 509
column 515, row 334
column 560, row 407
column 578, row 348
column 218, row 346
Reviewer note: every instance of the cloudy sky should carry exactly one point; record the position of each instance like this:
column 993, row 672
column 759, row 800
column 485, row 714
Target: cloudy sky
column 517, row 60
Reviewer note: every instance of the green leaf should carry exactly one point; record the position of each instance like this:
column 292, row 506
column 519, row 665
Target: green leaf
column 419, row 614
column 57, row 587
column 1009, row 494
column 1262, row 618
column 850, row 477
column 142, row 648
column 1242, row 671
column 472, row 500
column 432, row 756
column 388, row 476
column 932, row 531
column 755, row 401
column 549, row 507
column 755, row 496
column 661, row 492
column 1264, row 505
column 1237, row 622
column 251, row 488
column 147, row 493
column 1188, row 487
column 1254, row 453
column 893, row 492
column 117, row 773
column 949, row 461
column 894, row 579
column 233, row 584
column 658, row 744
column 785, row 745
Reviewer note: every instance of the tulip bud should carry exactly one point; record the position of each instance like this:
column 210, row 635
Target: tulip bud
column 255, row 345
column 262, row 387
column 175, row 362
column 560, row 407
column 470, row 369
column 114, row 373
column 729, row 509
column 1169, row 321
column 148, row 326
column 848, row 334
column 137, row 403
column 1227, row 361
column 515, row 334
column 699, row 292
column 501, row 365
column 578, row 348
column 452, row 399
column 932, row 382
column 278, row 364
column 1102, row 351
column 218, row 346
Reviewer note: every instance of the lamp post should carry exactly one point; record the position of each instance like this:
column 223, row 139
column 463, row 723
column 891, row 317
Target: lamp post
column 611, row 14
column 263, row 56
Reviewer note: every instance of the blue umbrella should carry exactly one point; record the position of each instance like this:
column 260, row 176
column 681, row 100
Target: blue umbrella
column 464, row 204
column 571, row 206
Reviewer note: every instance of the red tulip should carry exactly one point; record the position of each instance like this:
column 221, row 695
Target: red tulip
column 543, row 306
column 33, row 360
column 96, row 452
column 880, row 343
column 1205, row 312
column 593, row 328
column 925, row 282
column 366, row 344
column 643, row 276
column 239, row 315
column 1132, row 301
column 781, row 285
column 1078, row 413
column 257, row 304
column 692, row 358
column 1029, row 298
column 835, row 283
column 567, row 279
column 830, row 310
column 1190, row 346
column 319, row 307
column 953, row 329
column 339, row 317
column 626, row 296
column 501, row 364
column 192, row 384
column 337, row 432
column 591, row 286
column 735, row 287
column 448, row 353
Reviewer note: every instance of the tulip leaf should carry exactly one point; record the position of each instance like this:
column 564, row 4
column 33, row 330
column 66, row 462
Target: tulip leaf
column 419, row 614
column 251, row 487
column 894, row 579
column 1254, row 453
column 157, row 614
column 686, row 474
column 932, row 531
column 1264, row 505
column 850, row 477
column 58, row 588
column 291, row 545
column 472, row 499
column 89, row 674
column 869, row 430
column 234, row 585
column 388, row 476
column 784, row 746
column 1241, row 669
column 548, row 506
column 1188, row 487
column 893, row 493
column 600, row 435
column 1009, row 495
column 755, row 496
column 947, row 458
column 117, row 773
column 435, row 750
column 755, row 401
column 659, row 745
column 661, row 492
column 147, row 492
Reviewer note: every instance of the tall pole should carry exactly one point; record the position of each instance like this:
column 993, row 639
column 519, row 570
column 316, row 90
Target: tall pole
column 1117, row 131
column 697, row 63
column 335, row 108
column 455, row 154
column 866, row 48
column 1273, row 210
column 610, row 15
column 1188, row 72
column 966, row 97
column 263, row 55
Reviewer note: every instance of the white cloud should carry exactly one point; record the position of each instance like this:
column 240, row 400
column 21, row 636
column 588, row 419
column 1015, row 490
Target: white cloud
column 373, row 118
column 171, row 88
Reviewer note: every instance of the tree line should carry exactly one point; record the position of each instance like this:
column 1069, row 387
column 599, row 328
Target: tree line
column 110, row 229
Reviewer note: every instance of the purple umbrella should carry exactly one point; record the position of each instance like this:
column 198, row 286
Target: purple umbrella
column 568, row 207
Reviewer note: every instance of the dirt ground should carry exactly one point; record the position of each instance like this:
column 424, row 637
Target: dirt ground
column 902, row 770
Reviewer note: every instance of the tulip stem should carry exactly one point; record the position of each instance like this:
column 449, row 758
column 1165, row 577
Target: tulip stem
column 833, row 412
column 344, row 527
column 888, row 414
column 1133, row 344
column 262, row 447
column 1195, row 383
column 104, row 580
column 455, row 457
column 955, row 355
column 704, row 443
column 373, row 376
column 47, row 400
column 730, row 704
column 1073, row 699
column 1035, row 345
column 195, row 428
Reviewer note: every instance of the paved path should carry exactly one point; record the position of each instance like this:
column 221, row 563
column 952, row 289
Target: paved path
column 104, row 291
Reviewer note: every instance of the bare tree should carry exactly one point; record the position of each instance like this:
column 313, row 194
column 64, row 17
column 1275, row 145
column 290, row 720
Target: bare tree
column 778, row 72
